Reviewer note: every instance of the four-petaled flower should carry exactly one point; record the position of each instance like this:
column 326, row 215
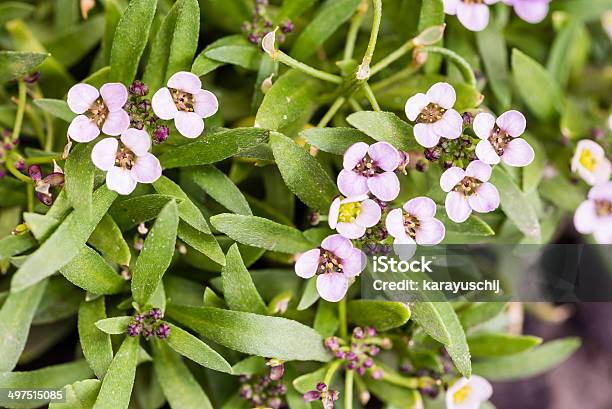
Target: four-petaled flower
column 590, row 162
column 324, row 394
column 468, row 393
column 434, row 115
column 334, row 263
column 97, row 111
column 469, row 190
column 186, row 102
column 353, row 215
column 500, row 139
column 532, row 11
column 473, row 14
column 370, row 168
column 127, row 161
column 413, row 225
column 594, row 216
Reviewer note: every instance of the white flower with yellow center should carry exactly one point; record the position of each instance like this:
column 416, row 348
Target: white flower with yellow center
column 468, row 393
column 590, row 162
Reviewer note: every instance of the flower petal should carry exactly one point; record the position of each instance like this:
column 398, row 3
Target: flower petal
column 81, row 97
column 603, row 231
column 483, row 125
column 115, row 95
column 486, row 153
column 120, row 180
column 332, row 286
column 481, row 388
column 450, row 6
column 146, row 169
column 602, row 191
column 384, row 155
column 83, row 129
column 414, row 105
column 602, row 171
column 451, row 177
column 354, row 154
column 485, row 199
column 457, row 207
column 479, row 170
column 351, row 183
column 449, row 126
column 531, row 11
column 137, row 140
column 185, row 81
column 370, row 213
column 189, row 124
column 163, row 104
column 384, row 186
column 338, row 245
column 404, row 247
column 307, row 264
column 454, row 388
column 394, row 223
column 334, row 212
column 116, row 123
column 430, row 232
column 350, row 230
column 104, row 153
column 206, row 103
column 585, row 217
column 354, row 263
column 513, row 122
column 518, row 153
column 425, row 135
column 474, row 17
column 443, row 94
column 421, row 207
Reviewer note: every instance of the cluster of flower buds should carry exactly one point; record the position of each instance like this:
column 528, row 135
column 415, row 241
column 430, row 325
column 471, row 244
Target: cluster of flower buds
column 141, row 113
column 374, row 237
column 364, row 346
column 7, row 145
column 324, row 394
column 263, row 391
column 260, row 25
column 149, row 324
column 451, row 152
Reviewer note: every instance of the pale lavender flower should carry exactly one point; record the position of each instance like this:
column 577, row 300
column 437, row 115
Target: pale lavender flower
column 473, row 14
column 353, row 215
column 434, row 115
column 334, row 263
column 532, row 11
column 468, row 393
column 370, row 168
column 127, row 161
column 97, row 111
column 469, row 190
column 186, row 102
column 591, row 163
column 594, row 216
column 500, row 139
column 413, row 225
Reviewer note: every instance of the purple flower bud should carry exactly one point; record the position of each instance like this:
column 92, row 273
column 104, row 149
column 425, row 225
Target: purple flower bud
column 20, row 165
column 161, row 133
column 371, row 331
column 377, row 374
column 312, row 396
column 2, row 173
column 32, row 78
column 368, row 363
column 275, row 403
column 277, row 371
column 597, row 133
column 287, row 27
column 155, row 313
column 331, row 343
column 468, row 118
column 148, row 333
column 138, row 88
column 406, row 368
column 35, row 172
column 374, row 350
column 163, row 331
column 246, row 392
column 133, row 330
column 321, row 386
column 361, row 370
column 351, row 356
column 340, row 354
column 313, row 218
column 432, row 154
column 358, row 333
column 421, row 166
column 351, row 365
column 244, row 378
column 281, row 389
column 254, row 38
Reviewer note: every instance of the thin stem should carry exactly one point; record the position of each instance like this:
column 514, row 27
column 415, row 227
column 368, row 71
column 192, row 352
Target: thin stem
column 333, row 367
column 351, row 37
column 41, row 159
column 348, row 389
column 370, row 96
column 342, row 318
column 331, row 112
column 30, row 195
column 391, row 377
column 462, row 64
column 21, row 104
column 391, row 58
column 364, row 69
column 307, row 69
column 395, row 78
column 355, row 105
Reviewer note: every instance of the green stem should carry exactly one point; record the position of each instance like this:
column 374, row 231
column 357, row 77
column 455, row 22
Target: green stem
column 351, row 37
column 21, row 104
column 391, row 377
column 462, row 64
column 355, row 105
column 342, row 318
column 363, row 72
column 331, row 112
column 370, row 96
column 395, row 78
column 333, row 367
column 348, row 389
column 41, row 159
column 391, row 58
column 307, row 69
column 30, row 195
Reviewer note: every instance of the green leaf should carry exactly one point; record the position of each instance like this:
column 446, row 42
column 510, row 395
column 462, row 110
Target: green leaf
column 96, row 345
column 82, row 38
column 16, row 64
column 309, row 296
column 130, row 39
column 302, row 173
column 249, row 366
column 473, row 226
column 479, row 313
column 253, row 334
column 132, row 211
column 11, row 10
column 39, row 224
column 493, row 49
column 193, row 348
column 534, row 172
column 113, row 10
column 537, row 87
column 205, row 243
column 331, row 15
column 214, row 147
column 178, row 384
column 56, row 107
column 515, row 204
column 294, row 8
column 562, row 192
column 117, row 384
column 188, row 211
column 382, row 315
column 51, row 377
column 263, row 233
column 244, row 55
column 393, row 395
column 203, row 64
column 528, row 363
column 238, row 288
column 79, row 176
column 569, row 51
column 12, row 245
column 221, row 188
column 386, row 127
column 500, row 344
column 156, row 254
column 326, row 320
column 309, row 381
column 60, row 301
column 79, row 395
column 108, row 240
column 64, row 244
column 334, row 140
column 15, row 318
column 114, row 325
column 587, row 10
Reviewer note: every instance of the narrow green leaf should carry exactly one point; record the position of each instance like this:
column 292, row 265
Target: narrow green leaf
column 82, row 37
column 382, row 315
column 244, row 55
column 249, row 366
column 309, row 296
column 238, row 288
column 117, row 384
column 108, row 240
column 156, row 254
column 114, row 325
column 79, row 395
column 15, row 64
column 263, row 233
column 60, row 301
column 91, row 272
column 96, row 345
column 294, row 8
column 188, row 211
column 569, row 51
column 326, row 321
column 132, row 211
column 56, row 107
column 479, row 313
column 493, row 49
column 220, row 187
column 12, row 245
column 40, row 224
column 79, row 176
column 393, row 395
column 386, row 127
column 334, row 140
column 309, row 381
column 473, row 226
column 193, row 348
column 500, row 344
column 113, row 10
column 587, row 10
column 203, row 64
column 11, row 10
column 205, row 243
column 534, row 172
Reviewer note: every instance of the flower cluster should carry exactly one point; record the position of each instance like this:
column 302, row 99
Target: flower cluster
column 474, row 14
column 359, row 353
column 264, row 391
column 149, row 324
column 261, row 24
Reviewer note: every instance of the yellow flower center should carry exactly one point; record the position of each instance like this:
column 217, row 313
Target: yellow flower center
column 588, row 160
column 349, row 212
column 462, row 394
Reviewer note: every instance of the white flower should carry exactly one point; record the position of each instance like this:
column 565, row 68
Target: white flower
column 473, row 14
column 353, row 215
column 468, row 393
column 590, row 162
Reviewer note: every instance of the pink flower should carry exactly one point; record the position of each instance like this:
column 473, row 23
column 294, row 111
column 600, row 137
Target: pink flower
column 594, row 216
column 473, row 14
column 126, row 162
column 434, row 115
column 413, row 225
column 334, row 263
column 97, row 111
column 469, row 190
column 591, row 163
column 370, row 169
column 500, row 139
column 532, row 11
column 353, row 215
column 186, row 102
